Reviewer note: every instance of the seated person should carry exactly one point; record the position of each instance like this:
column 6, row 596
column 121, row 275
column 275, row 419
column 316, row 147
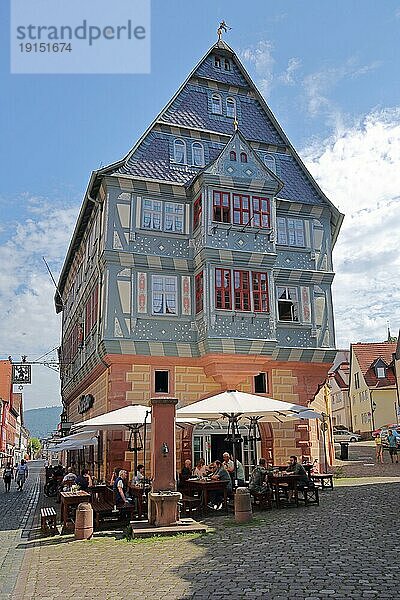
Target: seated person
column 185, row 473
column 114, row 475
column 139, row 477
column 69, row 479
column 258, row 479
column 227, row 462
column 84, row 480
column 200, row 469
column 216, row 496
column 295, row 468
column 239, row 474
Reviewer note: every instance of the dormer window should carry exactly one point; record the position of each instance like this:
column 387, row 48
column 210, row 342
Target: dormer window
column 180, row 152
column 269, row 161
column 217, row 62
column 380, row 372
column 230, row 107
column 216, row 104
column 232, row 155
column 243, row 157
column 197, row 154
column 227, row 64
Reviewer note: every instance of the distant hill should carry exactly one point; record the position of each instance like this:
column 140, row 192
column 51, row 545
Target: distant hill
column 41, row 422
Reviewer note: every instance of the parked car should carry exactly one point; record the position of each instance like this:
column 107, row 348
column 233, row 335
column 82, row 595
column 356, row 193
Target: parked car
column 343, row 435
column 385, row 433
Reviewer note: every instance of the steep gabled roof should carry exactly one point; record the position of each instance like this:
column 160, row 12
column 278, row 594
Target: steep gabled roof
column 368, row 354
column 150, row 156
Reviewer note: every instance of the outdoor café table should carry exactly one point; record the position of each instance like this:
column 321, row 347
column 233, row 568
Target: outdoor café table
column 290, row 481
column 137, row 492
column 97, row 491
column 204, row 486
column 69, row 499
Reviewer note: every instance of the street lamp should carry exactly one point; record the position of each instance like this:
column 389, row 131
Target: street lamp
column 373, row 409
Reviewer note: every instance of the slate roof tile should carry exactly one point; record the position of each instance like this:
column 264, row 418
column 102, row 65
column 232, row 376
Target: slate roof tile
column 232, row 77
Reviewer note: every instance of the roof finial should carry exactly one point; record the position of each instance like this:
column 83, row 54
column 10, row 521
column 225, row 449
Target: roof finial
column 223, row 27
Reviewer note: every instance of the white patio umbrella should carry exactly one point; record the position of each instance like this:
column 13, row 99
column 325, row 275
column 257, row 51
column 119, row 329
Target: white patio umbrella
column 76, row 441
column 234, row 405
column 132, row 418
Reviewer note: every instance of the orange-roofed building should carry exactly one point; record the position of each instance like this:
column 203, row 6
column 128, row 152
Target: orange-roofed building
column 372, row 391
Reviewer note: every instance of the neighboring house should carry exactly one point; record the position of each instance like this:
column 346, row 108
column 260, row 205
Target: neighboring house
column 202, row 261
column 339, row 390
column 372, row 389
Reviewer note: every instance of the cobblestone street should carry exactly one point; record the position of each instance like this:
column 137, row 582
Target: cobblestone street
column 345, row 548
column 16, row 511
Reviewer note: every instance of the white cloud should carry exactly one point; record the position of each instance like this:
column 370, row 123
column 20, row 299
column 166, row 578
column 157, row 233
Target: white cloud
column 262, row 60
column 30, row 325
column 288, row 77
column 359, row 171
column 317, row 87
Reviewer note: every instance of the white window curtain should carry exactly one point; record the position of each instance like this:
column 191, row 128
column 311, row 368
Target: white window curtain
column 164, row 292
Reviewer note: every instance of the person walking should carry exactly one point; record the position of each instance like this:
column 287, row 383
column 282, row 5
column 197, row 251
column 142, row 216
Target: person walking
column 7, row 476
column 392, row 439
column 378, row 448
column 21, row 474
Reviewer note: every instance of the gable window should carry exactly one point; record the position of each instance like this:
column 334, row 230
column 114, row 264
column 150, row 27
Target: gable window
column 180, row 152
column 232, row 155
column 261, row 212
column 227, row 65
column 230, row 107
column 380, row 372
column 164, row 295
column 243, row 157
column 290, row 231
column 217, row 62
column 173, row 217
column 260, row 292
column 198, row 154
column 269, row 161
column 216, row 104
column 222, row 207
column 356, row 380
column 197, row 210
column 199, row 292
column 241, row 281
column 152, row 214
column 223, row 289
column 241, row 209
column 161, row 382
column 260, row 383
column 288, row 304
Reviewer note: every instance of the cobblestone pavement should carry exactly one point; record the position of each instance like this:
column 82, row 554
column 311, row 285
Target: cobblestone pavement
column 362, row 462
column 346, row 548
column 16, row 512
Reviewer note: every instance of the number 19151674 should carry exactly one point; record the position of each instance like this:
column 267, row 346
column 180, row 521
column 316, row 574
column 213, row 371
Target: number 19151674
column 45, row 47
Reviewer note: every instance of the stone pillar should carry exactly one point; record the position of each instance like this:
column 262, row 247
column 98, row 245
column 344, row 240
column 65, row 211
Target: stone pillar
column 163, row 465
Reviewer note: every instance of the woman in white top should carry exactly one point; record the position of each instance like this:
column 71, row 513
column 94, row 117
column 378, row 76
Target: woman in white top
column 200, row 469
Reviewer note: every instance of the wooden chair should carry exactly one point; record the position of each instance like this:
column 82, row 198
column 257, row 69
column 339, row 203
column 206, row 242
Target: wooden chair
column 262, row 500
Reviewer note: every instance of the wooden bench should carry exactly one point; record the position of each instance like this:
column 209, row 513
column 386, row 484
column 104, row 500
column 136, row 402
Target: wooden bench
column 262, row 500
column 104, row 507
column 190, row 503
column 48, row 520
column 309, row 495
column 324, row 480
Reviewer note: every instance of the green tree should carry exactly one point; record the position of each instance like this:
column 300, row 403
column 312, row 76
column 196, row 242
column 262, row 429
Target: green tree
column 35, row 445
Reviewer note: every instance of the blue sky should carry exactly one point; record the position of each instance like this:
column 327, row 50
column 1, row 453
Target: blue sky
column 329, row 72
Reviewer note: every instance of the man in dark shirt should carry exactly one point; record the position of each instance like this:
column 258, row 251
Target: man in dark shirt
column 216, row 496
column 185, row 474
column 297, row 469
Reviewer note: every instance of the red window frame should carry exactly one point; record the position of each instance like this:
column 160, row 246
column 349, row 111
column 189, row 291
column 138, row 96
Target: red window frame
column 243, row 157
column 197, row 210
column 261, row 212
column 260, row 291
column 198, row 283
column 241, row 215
column 91, row 311
column 221, row 207
column 223, row 289
column 241, row 282
column 232, row 155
